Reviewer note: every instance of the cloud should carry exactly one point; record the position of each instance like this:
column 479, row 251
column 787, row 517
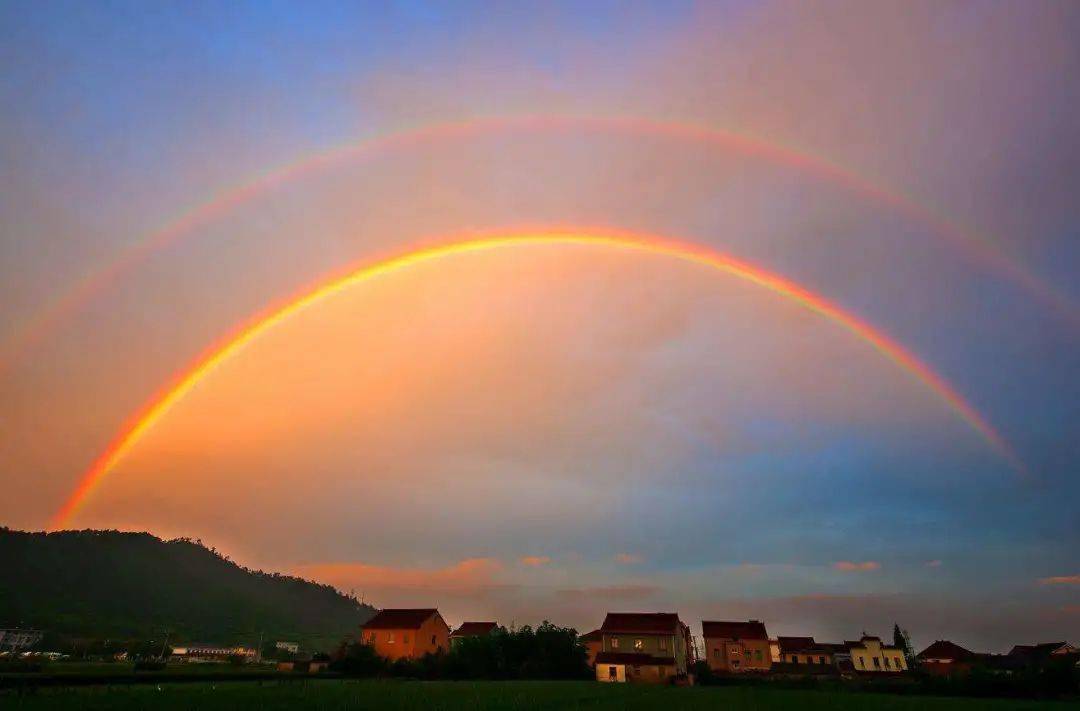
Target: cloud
column 468, row 574
column 933, row 563
column 1060, row 580
column 535, row 561
column 859, row 567
column 609, row 592
column 629, row 558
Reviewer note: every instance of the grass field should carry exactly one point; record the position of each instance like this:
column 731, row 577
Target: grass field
column 478, row 696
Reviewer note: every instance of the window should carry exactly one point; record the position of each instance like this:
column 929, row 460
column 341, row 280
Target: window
column 614, row 642
column 862, row 663
column 877, row 663
column 821, row 660
column 613, row 673
column 372, row 638
column 433, row 639
column 791, row 658
column 757, row 654
column 639, row 644
column 887, row 663
column 809, row 659
column 716, row 653
column 390, row 637
column 405, row 638
column 663, row 643
column 746, row 653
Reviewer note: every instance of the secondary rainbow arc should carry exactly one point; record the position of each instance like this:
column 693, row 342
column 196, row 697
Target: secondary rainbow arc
column 188, row 378
column 71, row 301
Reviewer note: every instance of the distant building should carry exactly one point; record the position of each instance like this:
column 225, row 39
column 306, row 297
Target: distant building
column 472, row 629
column 290, row 647
column 13, row 640
column 806, row 650
column 945, row 658
column 201, row 652
column 1037, row 655
column 648, row 647
column 406, row 633
column 737, row 646
column 870, row 655
column 594, row 643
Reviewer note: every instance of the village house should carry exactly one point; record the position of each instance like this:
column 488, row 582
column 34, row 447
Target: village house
column 870, row 655
column 593, row 642
column 472, row 629
column 406, row 633
column 1042, row 654
column 737, row 646
column 198, row 652
column 945, row 658
column 807, row 651
column 649, row 647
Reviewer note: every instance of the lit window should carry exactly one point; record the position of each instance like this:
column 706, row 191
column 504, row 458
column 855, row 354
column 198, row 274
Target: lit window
column 639, row 644
column 390, row 637
column 663, row 643
column 614, row 642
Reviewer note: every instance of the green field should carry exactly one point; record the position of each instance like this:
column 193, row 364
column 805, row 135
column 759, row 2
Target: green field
column 476, row 696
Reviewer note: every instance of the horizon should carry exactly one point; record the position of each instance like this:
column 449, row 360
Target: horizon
column 750, row 310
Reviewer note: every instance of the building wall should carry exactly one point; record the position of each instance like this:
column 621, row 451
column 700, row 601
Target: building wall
column 808, row 658
column 738, row 656
column 871, row 656
column 635, row 674
column 656, row 645
column 432, row 637
column 611, row 673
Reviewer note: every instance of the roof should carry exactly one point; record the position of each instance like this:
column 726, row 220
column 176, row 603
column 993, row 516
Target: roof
column 794, row 644
column 633, row 658
column 944, row 649
column 474, row 629
column 642, row 622
column 848, row 644
column 400, row 619
column 594, row 636
column 734, row 630
column 1036, row 649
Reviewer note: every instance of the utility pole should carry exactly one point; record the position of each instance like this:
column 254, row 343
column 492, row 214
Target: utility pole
column 164, row 644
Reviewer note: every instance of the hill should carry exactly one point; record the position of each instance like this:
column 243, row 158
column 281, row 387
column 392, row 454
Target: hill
column 109, row 584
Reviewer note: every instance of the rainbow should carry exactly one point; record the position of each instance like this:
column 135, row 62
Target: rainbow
column 188, row 378
column 40, row 325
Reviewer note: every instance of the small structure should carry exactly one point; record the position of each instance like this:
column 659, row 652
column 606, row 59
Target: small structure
column 290, row 647
column 406, row 633
column 870, row 655
column 807, row 651
column 945, row 658
column 1042, row 654
column 472, row 629
column 594, row 643
column 198, row 652
column 307, row 665
column 737, row 646
column 649, row 647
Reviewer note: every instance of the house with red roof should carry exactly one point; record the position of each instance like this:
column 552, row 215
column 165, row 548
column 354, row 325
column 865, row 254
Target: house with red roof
column 737, row 647
column 406, row 633
column 648, row 647
column 472, row 629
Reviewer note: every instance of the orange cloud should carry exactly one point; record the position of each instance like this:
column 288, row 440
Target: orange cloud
column 629, row 558
column 851, row 566
column 1061, row 580
column 535, row 561
column 466, row 574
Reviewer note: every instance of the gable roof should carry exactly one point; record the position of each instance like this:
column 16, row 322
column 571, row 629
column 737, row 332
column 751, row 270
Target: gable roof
column 642, row 622
column 474, row 629
column 594, row 636
column 944, row 649
column 1036, row 650
column 734, row 630
column 400, row 619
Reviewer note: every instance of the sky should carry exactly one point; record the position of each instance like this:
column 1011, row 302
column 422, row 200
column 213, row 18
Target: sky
column 555, row 429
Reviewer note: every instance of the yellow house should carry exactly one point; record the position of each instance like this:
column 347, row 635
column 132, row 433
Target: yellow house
column 870, row 655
